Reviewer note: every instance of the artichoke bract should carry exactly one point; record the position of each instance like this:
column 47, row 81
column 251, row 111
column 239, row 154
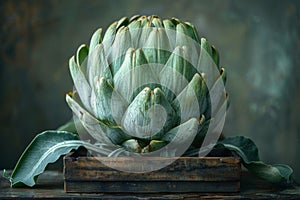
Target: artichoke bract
column 148, row 85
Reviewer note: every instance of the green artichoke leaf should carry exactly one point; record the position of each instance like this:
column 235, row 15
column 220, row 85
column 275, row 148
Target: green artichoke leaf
column 95, row 40
column 81, row 84
column 134, row 25
column 202, row 130
column 192, row 31
column 187, row 103
column 215, row 56
column 218, row 93
column 120, row 45
column 154, row 146
column 145, row 21
column 145, row 31
column 175, row 20
column 101, row 132
column 135, row 32
column 206, row 46
column 184, row 38
column 157, row 47
column 168, row 24
column 45, row 148
column 132, row 145
column 134, row 73
column 223, row 74
column 134, row 18
column 172, row 119
column 109, row 35
column 98, row 66
column 248, row 152
column 81, row 54
column 192, row 55
column 108, row 105
column 182, row 134
column 178, row 60
column 157, row 22
column 217, row 119
column 124, row 21
column 176, row 74
column 170, row 29
column 149, row 114
column 206, row 64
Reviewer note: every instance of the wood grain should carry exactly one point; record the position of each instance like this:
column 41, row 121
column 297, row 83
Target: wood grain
column 186, row 174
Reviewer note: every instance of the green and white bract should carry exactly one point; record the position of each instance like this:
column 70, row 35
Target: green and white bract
column 148, row 85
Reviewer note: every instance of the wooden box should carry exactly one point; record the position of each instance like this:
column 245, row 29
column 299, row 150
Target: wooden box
column 187, row 174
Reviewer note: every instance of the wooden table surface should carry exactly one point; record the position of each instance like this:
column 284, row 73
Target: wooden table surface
column 50, row 186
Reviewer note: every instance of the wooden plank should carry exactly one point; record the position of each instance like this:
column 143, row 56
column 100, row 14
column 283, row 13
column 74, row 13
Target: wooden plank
column 150, row 187
column 183, row 169
column 186, row 174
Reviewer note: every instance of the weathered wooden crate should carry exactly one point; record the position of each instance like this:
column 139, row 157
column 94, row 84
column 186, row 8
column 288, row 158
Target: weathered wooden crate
column 187, row 174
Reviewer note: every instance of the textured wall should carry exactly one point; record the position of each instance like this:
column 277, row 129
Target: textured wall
column 259, row 43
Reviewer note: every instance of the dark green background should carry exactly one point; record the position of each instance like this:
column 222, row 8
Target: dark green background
column 259, row 43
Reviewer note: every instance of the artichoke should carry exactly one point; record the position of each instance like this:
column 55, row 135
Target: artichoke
column 148, row 88
column 148, row 85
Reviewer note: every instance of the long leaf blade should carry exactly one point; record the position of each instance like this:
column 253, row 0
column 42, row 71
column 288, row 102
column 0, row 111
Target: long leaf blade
column 248, row 152
column 45, row 148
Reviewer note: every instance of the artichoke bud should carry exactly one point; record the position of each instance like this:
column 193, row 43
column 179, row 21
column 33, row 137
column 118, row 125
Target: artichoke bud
column 146, row 84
